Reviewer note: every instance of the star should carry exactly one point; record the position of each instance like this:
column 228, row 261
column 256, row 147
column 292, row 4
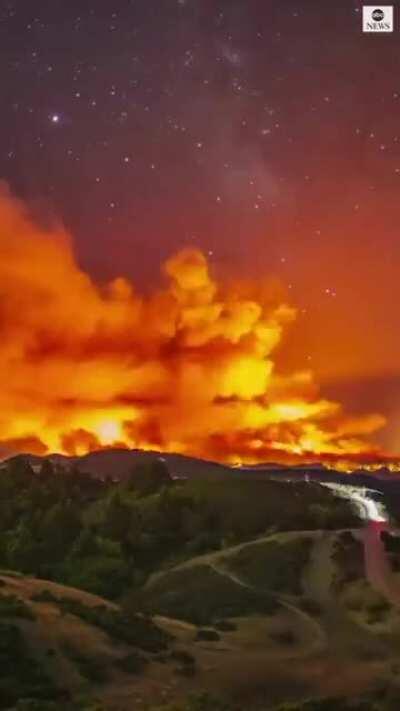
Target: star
column 144, row 129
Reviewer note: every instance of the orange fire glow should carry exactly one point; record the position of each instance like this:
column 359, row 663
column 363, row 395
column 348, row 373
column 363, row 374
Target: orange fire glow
column 189, row 369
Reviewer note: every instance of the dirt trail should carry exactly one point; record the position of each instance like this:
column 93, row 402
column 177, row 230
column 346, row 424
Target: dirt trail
column 334, row 622
column 315, row 628
column 214, row 556
column 319, row 573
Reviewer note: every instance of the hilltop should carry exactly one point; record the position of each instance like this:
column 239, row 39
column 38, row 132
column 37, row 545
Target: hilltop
column 117, row 463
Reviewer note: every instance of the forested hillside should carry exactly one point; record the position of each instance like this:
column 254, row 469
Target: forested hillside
column 108, row 537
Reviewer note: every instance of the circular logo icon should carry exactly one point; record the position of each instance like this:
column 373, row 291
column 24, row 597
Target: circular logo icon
column 378, row 15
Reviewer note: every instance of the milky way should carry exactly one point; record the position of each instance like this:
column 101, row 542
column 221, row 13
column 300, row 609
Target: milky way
column 265, row 134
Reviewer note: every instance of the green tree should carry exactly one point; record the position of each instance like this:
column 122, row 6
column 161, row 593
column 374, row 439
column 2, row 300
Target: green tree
column 148, row 477
column 118, row 517
column 61, row 526
column 21, row 550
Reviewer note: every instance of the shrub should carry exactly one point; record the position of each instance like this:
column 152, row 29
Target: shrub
column 283, row 637
column 225, row 626
column 179, row 655
column 349, row 558
column 90, row 668
column 12, row 606
column 378, row 605
column 21, row 676
column 186, row 670
column 132, row 629
column 132, row 663
column 346, row 537
column 44, row 596
column 311, row 606
column 207, row 636
column 354, row 602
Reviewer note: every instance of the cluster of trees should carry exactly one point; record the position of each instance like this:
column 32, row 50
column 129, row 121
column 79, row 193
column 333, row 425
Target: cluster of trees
column 76, row 529
column 107, row 537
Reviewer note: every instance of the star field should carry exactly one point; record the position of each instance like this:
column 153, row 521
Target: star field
column 265, row 133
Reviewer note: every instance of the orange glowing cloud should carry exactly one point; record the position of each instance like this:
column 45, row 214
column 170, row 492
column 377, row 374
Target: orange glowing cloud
column 189, row 369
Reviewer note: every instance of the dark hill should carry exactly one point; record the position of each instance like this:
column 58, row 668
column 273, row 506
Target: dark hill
column 118, row 464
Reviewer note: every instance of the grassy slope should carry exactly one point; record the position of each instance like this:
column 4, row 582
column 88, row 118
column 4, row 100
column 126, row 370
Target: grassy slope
column 334, row 645
column 78, row 656
column 315, row 640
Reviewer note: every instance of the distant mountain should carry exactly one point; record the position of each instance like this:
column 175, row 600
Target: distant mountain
column 118, row 464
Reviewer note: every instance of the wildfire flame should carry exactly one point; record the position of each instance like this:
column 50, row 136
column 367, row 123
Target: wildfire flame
column 188, row 369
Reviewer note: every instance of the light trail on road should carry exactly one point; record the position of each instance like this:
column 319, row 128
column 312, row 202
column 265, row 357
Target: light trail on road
column 367, row 506
column 378, row 569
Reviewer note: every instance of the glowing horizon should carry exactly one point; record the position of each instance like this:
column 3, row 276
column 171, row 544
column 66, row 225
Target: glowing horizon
column 191, row 368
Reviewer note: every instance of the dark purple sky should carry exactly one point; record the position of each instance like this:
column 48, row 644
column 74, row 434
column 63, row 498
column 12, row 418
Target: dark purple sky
column 266, row 133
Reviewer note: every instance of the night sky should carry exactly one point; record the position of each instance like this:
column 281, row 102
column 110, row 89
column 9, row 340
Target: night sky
column 265, row 133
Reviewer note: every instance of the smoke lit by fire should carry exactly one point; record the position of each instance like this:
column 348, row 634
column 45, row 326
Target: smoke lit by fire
column 189, row 369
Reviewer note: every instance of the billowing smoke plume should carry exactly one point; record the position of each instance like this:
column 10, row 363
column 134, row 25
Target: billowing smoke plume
column 189, row 369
